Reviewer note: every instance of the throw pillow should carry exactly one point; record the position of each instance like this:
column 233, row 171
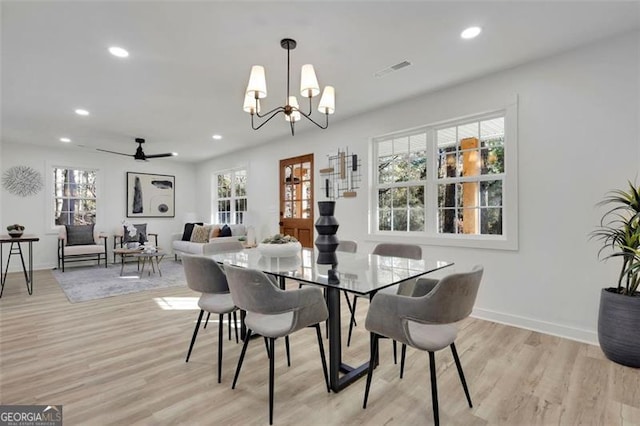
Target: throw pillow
column 188, row 230
column 225, row 231
column 142, row 230
column 200, row 234
column 215, row 232
column 79, row 235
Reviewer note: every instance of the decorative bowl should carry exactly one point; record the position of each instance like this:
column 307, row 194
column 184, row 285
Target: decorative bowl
column 279, row 250
column 15, row 233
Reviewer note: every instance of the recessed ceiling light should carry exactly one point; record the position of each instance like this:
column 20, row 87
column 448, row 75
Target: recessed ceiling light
column 118, row 51
column 217, row 137
column 65, row 140
column 471, row 32
column 175, row 154
column 81, row 111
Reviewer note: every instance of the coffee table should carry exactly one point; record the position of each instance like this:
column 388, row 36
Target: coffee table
column 138, row 254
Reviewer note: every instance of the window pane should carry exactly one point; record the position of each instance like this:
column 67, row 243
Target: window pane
column 416, row 196
column 468, row 194
column 446, row 138
column 399, row 219
column 447, row 221
column 241, row 183
column 416, row 219
column 401, row 168
column 417, row 166
column 224, row 186
column 447, row 162
column 385, row 169
column 306, row 171
column 493, row 128
column 384, row 198
column 399, row 197
column 306, row 190
column 447, row 195
column 493, row 159
column 491, row 221
column 401, row 146
column 468, row 131
column 469, row 220
column 384, row 219
column 491, row 193
column 306, row 209
column 470, row 162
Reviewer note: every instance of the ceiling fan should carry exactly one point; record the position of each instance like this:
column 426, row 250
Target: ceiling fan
column 140, row 155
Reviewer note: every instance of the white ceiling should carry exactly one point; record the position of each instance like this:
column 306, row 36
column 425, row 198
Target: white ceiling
column 189, row 62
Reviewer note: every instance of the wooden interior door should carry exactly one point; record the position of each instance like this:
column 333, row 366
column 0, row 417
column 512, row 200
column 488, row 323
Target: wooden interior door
column 296, row 198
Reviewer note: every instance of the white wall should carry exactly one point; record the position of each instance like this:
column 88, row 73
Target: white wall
column 578, row 137
column 30, row 211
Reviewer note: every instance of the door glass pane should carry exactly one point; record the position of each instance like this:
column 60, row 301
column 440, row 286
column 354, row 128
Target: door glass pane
column 306, row 209
column 306, row 171
column 306, row 190
column 288, row 209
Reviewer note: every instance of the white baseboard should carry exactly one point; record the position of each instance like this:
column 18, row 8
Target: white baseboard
column 559, row 330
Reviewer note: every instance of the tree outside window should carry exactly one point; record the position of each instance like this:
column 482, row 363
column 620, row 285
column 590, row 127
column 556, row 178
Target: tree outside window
column 75, row 196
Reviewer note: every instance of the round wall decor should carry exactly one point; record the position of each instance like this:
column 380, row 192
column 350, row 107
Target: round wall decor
column 22, row 180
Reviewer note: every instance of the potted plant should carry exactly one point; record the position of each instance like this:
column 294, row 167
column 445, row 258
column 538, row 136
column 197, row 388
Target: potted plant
column 619, row 315
column 15, row 230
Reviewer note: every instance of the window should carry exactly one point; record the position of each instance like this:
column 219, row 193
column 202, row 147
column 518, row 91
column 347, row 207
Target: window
column 74, row 196
column 231, row 199
column 448, row 182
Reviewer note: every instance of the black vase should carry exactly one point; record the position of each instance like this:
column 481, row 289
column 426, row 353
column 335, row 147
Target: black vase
column 327, row 226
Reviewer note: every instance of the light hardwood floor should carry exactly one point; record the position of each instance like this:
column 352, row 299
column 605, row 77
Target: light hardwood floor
column 120, row 361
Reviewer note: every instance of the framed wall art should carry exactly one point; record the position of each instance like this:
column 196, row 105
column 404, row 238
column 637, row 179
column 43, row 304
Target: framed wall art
column 150, row 195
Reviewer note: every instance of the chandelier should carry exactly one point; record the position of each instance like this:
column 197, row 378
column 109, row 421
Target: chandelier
column 257, row 89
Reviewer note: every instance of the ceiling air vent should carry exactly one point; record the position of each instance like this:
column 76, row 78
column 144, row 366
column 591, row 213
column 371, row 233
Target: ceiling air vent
column 392, row 68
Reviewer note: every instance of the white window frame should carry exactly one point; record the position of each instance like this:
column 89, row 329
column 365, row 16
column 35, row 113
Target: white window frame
column 233, row 198
column 50, row 224
column 509, row 238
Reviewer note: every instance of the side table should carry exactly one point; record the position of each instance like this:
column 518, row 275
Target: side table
column 15, row 249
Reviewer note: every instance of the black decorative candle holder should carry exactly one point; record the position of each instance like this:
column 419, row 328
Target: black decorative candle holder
column 327, row 241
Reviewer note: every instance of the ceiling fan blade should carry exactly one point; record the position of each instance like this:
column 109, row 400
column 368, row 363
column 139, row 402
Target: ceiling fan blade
column 113, row 152
column 166, row 154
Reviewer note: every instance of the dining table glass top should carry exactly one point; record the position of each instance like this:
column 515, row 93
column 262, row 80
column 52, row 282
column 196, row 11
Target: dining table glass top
column 358, row 273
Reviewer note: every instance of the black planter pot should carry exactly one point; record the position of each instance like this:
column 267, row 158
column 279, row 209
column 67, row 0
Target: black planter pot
column 618, row 327
column 327, row 226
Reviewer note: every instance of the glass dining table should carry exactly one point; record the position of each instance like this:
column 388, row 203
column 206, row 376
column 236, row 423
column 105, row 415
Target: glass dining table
column 358, row 273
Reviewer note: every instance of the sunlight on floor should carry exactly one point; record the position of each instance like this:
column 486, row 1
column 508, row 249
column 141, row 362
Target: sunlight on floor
column 177, row 303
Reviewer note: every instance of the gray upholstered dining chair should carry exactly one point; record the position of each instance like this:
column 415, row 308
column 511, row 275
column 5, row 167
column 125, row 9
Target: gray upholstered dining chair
column 425, row 322
column 408, row 251
column 204, row 275
column 272, row 313
column 224, row 247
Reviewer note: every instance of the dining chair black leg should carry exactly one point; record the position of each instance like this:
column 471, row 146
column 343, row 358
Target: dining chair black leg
column 244, row 350
column 402, row 356
column 461, row 374
column 350, row 306
column 220, row 340
column 395, row 352
column 235, row 325
column 286, row 344
column 195, row 334
column 266, row 345
column 272, row 345
column 372, row 363
column 229, row 324
column 322, row 357
column 352, row 320
column 207, row 320
column 434, row 388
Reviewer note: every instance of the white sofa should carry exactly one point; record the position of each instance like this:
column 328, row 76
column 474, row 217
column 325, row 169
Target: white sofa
column 189, row 247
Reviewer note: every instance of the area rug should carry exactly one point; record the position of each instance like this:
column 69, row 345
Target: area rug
column 81, row 284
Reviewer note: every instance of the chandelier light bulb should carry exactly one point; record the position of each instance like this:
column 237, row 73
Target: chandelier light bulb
column 250, row 104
